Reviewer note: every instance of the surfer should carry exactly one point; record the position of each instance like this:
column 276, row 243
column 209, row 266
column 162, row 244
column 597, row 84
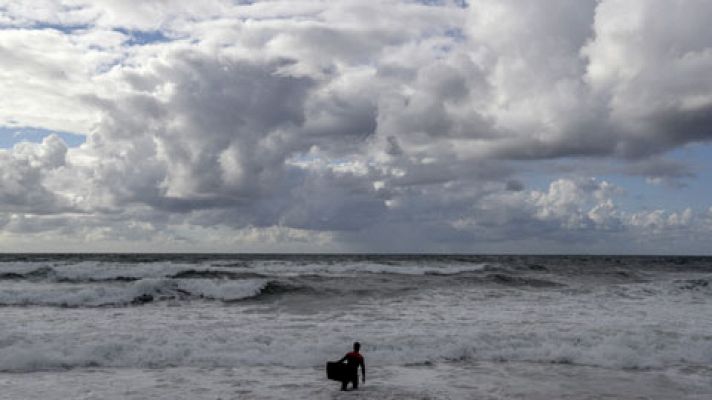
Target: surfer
column 353, row 360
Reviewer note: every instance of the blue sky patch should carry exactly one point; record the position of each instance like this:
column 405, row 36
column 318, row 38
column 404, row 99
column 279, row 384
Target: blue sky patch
column 60, row 27
column 10, row 135
column 639, row 193
column 139, row 38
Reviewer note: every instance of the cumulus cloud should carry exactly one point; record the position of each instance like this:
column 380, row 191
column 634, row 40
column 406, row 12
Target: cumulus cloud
column 647, row 59
column 25, row 172
column 350, row 124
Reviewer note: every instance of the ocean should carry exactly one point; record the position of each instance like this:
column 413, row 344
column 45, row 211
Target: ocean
column 431, row 326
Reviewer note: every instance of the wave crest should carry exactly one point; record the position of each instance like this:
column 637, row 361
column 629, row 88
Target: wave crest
column 138, row 292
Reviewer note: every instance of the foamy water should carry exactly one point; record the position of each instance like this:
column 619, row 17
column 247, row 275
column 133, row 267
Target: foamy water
column 432, row 327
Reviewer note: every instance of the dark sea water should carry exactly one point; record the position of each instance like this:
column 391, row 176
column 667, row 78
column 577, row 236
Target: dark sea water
column 432, row 326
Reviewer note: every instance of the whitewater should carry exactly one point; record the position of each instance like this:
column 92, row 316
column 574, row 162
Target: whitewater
column 432, row 327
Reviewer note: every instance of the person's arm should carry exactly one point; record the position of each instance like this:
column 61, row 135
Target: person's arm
column 342, row 359
column 363, row 370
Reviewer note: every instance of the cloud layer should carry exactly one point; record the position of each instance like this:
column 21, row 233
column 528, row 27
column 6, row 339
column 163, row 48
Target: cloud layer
column 351, row 126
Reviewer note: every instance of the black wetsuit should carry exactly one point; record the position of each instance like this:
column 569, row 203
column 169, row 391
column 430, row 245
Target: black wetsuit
column 353, row 361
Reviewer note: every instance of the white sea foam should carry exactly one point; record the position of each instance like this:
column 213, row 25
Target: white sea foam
column 429, row 326
column 92, row 270
column 351, row 268
column 420, row 323
column 662, row 322
column 97, row 271
column 228, row 348
column 144, row 290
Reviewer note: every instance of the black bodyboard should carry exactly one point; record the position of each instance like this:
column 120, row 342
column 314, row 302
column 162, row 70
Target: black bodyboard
column 336, row 371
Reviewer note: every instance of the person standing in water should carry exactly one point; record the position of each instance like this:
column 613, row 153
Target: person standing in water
column 353, row 360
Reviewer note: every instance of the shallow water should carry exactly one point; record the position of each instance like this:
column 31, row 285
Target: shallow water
column 432, row 327
column 447, row 380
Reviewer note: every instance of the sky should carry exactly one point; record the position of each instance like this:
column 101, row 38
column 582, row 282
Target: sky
column 481, row 126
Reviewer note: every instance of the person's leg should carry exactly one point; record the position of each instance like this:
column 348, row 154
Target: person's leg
column 355, row 381
column 343, row 385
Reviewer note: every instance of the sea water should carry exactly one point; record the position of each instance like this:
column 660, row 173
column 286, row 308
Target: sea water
column 432, row 327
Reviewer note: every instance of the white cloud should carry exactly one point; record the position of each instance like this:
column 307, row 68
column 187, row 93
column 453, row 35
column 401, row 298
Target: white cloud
column 44, row 73
column 348, row 123
column 24, row 174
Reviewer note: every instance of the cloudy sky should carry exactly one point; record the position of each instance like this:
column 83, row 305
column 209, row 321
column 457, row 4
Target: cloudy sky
column 387, row 126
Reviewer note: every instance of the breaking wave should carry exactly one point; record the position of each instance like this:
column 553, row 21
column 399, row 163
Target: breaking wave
column 138, row 292
column 91, row 271
column 32, row 274
column 262, row 312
